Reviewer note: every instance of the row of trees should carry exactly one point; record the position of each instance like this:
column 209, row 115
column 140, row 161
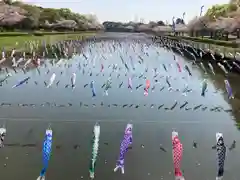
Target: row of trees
column 136, row 26
column 25, row 16
column 221, row 10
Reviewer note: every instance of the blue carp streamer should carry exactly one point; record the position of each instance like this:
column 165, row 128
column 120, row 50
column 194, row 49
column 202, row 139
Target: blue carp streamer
column 127, row 141
column 95, row 147
column 21, row 82
column 221, row 155
column 46, row 152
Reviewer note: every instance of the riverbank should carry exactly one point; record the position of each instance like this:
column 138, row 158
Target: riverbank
column 21, row 41
column 207, row 44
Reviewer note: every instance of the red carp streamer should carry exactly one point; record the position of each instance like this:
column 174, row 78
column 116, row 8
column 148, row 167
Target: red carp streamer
column 177, row 156
column 146, row 88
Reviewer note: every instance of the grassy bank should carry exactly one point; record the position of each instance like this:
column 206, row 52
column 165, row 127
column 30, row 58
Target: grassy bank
column 22, row 40
column 206, row 43
column 230, row 44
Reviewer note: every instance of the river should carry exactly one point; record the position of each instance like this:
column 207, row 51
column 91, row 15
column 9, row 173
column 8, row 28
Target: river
column 72, row 114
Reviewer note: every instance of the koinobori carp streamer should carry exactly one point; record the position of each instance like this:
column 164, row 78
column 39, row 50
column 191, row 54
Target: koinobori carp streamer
column 52, row 78
column 107, row 86
column 204, row 87
column 211, row 68
column 102, row 68
column 146, row 87
column 21, row 82
column 93, row 89
column 3, row 132
column 73, row 80
column 177, row 150
column 46, row 152
column 95, row 147
column 228, row 89
column 221, row 155
column 130, row 83
column 179, row 66
column 6, row 77
column 126, row 142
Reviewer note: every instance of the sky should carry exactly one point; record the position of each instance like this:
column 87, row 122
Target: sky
column 132, row 10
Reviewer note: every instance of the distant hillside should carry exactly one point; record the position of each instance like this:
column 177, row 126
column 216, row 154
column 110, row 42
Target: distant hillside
column 19, row 15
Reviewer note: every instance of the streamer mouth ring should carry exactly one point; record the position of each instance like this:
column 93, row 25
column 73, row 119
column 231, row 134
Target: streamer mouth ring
column 218, row 136
column 128, row 129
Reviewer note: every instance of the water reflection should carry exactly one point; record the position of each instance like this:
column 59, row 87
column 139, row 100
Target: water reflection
column 73, row 110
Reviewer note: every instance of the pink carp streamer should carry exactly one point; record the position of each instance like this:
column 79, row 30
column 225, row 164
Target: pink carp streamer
column 177, row 155
column 147, row 88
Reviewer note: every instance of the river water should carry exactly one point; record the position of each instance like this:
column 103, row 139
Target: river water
column 73, row 123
